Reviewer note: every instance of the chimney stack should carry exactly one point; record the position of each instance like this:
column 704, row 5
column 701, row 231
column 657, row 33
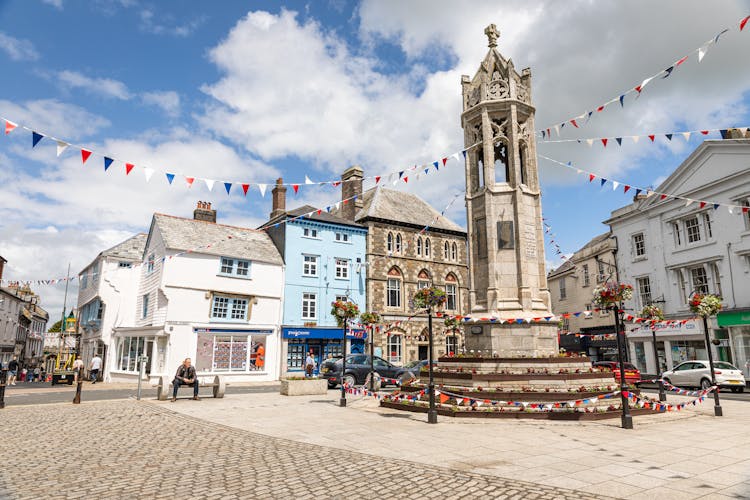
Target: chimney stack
column 204, row 212
column 2, row 266
column 351, row 185
column 279, row 198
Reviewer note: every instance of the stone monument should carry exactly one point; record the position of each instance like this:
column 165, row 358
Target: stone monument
column 504, row 214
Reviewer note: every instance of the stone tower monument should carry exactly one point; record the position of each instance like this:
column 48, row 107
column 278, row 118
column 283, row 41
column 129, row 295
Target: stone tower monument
column 504, row 214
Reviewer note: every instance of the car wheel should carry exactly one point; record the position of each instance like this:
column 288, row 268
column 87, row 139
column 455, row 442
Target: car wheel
column 735, row 389
column 705, row 383
column 331, row 386
column 350, row 380
column 740, row 389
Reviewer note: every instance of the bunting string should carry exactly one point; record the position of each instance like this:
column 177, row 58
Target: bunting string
column 687, row 134
column 584, row 118
column 648, row 192
column 650, row 404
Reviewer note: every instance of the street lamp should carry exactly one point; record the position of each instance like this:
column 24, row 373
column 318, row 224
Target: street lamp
column 432, row 413
column 655, row 314
column 627, row 418
column 370, row 319
column 343, row 311
column 708, row 305
column 430, row 298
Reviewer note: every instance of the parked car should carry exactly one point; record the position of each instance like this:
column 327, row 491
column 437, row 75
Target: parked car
column 698, row 374
column 357, row 368
column 413, row 369
column 632, row 374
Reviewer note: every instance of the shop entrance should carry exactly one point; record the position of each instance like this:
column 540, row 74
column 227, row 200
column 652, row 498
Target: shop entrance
column 317, row 352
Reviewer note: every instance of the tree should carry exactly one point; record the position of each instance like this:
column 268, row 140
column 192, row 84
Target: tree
column 56, row 327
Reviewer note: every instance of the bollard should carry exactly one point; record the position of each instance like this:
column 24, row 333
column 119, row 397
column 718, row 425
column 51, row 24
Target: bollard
column 3, row 380
column 77, row 398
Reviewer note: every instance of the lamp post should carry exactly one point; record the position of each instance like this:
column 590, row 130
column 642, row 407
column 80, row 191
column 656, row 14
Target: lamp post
column 432, row 413
column 662, row 394
column 343, row 311
column 653, row 313
column 707, row 305
column 342, row 401
column 627, row 418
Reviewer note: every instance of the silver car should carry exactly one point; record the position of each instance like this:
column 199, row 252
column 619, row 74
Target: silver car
column 698, row 374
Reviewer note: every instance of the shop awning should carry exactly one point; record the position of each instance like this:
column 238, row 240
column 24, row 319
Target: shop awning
column 733, row 318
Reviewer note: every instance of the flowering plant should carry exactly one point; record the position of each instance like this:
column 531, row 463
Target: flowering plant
column 429, row 297
column 609, row 294
column 705, row 304
column 652, row 312
column 369, row 318
column 344, row 310
column 451, row 323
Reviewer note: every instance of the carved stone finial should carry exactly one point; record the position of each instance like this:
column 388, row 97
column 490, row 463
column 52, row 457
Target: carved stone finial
column 492, row 35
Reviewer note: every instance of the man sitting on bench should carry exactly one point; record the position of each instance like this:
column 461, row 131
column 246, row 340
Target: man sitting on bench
column 185, row 376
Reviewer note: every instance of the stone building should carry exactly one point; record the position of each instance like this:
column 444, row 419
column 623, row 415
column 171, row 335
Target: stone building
column 572, row 290
column 401, row 257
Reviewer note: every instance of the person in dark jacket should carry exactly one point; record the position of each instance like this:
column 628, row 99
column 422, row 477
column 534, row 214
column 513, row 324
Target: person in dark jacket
column 185, row 376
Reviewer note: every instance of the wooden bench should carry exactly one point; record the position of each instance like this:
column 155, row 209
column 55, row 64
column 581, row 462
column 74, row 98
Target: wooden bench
column 165, row 384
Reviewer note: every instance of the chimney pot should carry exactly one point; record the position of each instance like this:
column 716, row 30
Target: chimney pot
column 203, row 212
column 351, row 186
column 278, row 199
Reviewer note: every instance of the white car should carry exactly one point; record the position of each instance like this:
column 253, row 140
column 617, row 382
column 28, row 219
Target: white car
column 698, row 374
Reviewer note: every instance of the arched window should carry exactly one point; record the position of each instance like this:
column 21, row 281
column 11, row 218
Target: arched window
column 389, row 242
column 446, row 251
column 502, row 170
column 427, row 247
column 454, row 252
column 393, row 288
column 480, row 167
column 398, row 243
column 423, row 279
column 451, row 292
column 394, row 348
column 522, row 155
column 419, row 245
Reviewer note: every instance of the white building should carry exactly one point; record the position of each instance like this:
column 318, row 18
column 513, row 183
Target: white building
column 106, row 297
column 206, row 291
column 669, row 248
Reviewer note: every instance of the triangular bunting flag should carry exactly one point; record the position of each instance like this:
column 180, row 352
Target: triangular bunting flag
column 190, row 181
column 444, row 160
column 652, row 137
column 663, row 197
column 626, row 189
column 170, row 178
column 635, row 139
column 743, row 23
column 128, row 168
column 668, row 72
column 603, row 182
column 619, row 141
column 148, row 172
column 262, row 188
column 107, row 163
column 245, row 187
column 9, row 126
column 702, row 204
column 209, row 184
column 85, row 153
column 377, row 179
column 622, row 100
column 604, row 141
column 686, row 135
column 688, row 202
column 61, row 146
column 308, row 181
column 590, row 142
column 228, row 187
column 35, row 138
column 615, row 185
column 591, row 177
column 668, row 136
column 295, row 187
column 702, row 52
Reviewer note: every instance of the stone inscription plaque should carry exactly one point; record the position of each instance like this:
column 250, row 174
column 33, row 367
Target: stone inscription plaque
column 505, row 237
column 529, row 239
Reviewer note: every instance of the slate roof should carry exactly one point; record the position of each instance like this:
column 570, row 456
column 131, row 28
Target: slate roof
column 323, row 216
column 568, row 264
column 400, row 206
column 189, row 234
column 131, row 249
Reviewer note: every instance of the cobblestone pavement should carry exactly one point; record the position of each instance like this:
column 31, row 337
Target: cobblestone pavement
column 127, row 449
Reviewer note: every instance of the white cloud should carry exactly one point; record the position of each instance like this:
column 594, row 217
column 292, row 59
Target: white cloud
column 49, row 116
column 58, row 4
column 18, row 49
column 105, row 87
column 167, row 100
column 167, row 24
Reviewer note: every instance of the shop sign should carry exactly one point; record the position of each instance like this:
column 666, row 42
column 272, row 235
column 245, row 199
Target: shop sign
column 692, row 327
column 321, row 333
column 225, row 331
column 733, row 318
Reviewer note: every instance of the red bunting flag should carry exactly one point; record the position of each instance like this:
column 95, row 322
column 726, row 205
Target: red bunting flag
column 406, row 179
column 591, row 177
column 128, row 168
column 599, row 109
column 443, row 398
column 680, row 61
column 377, row 179
column 189, row 181
column 652, row 137
column 604, row 141
column 85, row 153
column 445, row 160
column 295, row 187
column 743, row 23
column 744, row 210
column 9, row 126
column 626, row 189
column 245, row 187
column 573, row 121
column 664, row 197
column 703, row 204
column 704, row 132
column 335, row 183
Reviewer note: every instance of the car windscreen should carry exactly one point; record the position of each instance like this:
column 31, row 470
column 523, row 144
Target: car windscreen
column 724, row 365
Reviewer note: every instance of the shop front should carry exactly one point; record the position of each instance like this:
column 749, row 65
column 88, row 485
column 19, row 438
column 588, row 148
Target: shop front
column 323, row 342
column 737, row 325
column 675, row 343
column 241, row 354
column 599, row 343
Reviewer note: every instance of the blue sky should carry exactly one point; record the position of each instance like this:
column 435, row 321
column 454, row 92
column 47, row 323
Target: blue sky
column 254, row 90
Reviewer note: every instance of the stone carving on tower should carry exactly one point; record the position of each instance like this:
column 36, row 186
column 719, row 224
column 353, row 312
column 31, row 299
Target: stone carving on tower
column 504, row 216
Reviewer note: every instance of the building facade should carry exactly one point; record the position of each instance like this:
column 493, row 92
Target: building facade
column 324, row 257
column 671, row 248
column 22, row 325
column 206, row 291
column 106, row 297
column 572, row 285
column 409, row 245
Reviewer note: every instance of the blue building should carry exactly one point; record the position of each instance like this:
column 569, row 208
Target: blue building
column 324, row 258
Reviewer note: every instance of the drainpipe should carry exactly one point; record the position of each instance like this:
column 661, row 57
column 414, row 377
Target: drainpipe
column 731, row 279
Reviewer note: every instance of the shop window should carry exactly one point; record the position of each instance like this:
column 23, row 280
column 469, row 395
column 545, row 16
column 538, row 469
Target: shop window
column 129, row 349
column 295, row 355
column 394, row 348
column 231, row 353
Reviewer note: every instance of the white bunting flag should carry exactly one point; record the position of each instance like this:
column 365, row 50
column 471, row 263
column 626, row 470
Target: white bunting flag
column 262, row 188
column 590, row 142
column 557, row 130
column 635, row 139
column 686, row 135
column 455, row 155
column 61, row 146
column 308, row 181
column 209, row 184
column 615, row 184
column 148, row 172
column 688, row 202
column 702, row 52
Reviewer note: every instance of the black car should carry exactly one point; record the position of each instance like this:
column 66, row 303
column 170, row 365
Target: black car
column 414, row 367
column 357, row 368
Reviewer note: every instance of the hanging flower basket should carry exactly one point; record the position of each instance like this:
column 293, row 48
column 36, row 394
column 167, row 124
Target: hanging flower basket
column 705, row 304
column 652, row 312
column 610, row 294
column 343, row 311
column 369, row 318
column 451, row 323
column 431, row 297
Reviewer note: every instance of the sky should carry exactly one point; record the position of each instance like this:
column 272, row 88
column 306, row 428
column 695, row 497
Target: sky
column 250, row 91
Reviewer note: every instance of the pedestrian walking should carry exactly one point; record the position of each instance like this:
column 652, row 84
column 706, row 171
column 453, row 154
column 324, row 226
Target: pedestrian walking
column 12, row 371
column 24, row 372
column 96, row 365
column 36, row 373
column 77, row 367
column 309, row 364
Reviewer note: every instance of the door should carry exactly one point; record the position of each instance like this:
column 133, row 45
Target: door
column 317, row 353
column 148, row 351
column 424, row 352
